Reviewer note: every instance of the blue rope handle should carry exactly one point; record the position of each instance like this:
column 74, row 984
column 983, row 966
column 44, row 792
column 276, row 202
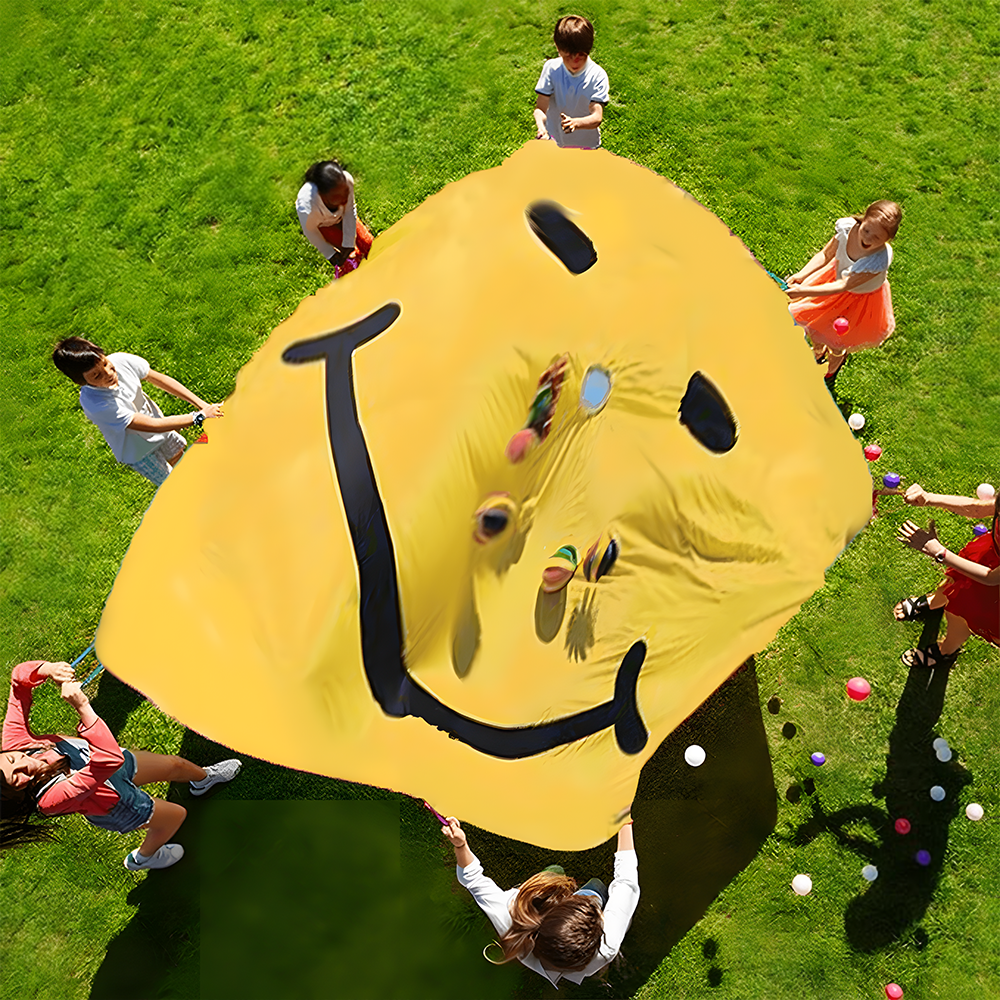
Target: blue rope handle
column 93, row 673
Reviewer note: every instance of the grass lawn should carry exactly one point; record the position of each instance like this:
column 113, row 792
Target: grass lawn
column 150, row 155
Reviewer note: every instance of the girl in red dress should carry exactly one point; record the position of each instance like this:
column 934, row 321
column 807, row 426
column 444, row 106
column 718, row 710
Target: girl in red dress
column 970, row 592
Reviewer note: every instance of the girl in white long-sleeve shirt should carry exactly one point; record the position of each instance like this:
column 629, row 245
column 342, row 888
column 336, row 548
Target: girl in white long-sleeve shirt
column 329, row 218
column 547, row 923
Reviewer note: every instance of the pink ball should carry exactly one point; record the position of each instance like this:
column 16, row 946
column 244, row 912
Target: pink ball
column 841, row 325
column 858, row 688
column 893, row 991
column 902, row 825
column 872, row 452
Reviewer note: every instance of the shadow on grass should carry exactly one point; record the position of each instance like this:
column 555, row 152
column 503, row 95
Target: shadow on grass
column 695, row 830
column 900, row 895
column 115, row 700
column 295, row 885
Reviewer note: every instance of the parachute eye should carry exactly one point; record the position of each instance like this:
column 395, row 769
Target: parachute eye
column 706, row 414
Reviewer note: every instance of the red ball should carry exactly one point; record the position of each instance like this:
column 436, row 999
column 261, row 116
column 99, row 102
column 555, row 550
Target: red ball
column 841, row 325
column 893, row 991
column 858, row 688
column 872, row 452
column 902, row 825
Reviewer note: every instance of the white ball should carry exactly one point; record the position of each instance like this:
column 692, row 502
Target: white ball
column 937, row 793
column 694, row 755
column 985, row 492
column 944, row 754
column 855, row 421
column 940, row 744
column 869, row 873
column 802, row 885
column 974, row 811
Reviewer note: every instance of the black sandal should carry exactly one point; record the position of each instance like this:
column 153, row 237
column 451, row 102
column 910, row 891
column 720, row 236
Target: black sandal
column 931, row 657
column 913, row 608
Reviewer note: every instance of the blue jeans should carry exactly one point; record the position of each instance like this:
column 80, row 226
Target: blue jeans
column 134, row 807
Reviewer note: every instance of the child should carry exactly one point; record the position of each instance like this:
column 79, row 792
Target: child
column 547, row 923
column 970, row 592
column 572, row 89
column 133, row 425
column 329, row 218
column 91, row 774
column 847, row 280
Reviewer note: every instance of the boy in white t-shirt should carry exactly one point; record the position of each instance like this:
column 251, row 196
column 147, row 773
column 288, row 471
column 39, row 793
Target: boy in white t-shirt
column 572, row 89
column 112, row 397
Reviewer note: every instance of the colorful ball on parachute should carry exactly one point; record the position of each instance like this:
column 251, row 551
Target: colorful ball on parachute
column 985, row 492
column 841, row 325
column 855, row 421
column 891, row 480
column 872, row 452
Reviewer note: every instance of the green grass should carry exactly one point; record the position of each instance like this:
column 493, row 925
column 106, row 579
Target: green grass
column 149, row 157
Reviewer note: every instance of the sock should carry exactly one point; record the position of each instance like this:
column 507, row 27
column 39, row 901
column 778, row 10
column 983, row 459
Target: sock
column 142, row 858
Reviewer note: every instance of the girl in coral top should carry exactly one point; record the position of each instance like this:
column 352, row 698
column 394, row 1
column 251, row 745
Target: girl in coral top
column 845, row 283
column 89, row 774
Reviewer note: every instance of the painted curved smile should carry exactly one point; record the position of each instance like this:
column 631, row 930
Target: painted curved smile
column 392, row 686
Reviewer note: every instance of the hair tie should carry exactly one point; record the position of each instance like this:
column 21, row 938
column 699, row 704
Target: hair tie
column 487, row 957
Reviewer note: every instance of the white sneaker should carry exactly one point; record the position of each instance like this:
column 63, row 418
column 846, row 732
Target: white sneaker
column 167, row 855
column 225, row 770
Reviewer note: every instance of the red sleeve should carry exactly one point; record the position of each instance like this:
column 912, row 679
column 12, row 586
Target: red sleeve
column 16, row 731
column 105, row 758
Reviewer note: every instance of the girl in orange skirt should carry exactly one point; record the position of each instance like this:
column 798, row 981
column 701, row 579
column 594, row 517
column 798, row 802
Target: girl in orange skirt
column 328, row 216
column 846, row 283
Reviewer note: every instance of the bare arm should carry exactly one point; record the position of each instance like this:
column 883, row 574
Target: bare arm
column 72, row 692
column 917, row 496
column 927, row 542
column 541, row 110
column 817, row 261
column 625, row 839
column 456, row 835
column 175, row 388
column 141, row 422
column 845, row 284
column 593, row 120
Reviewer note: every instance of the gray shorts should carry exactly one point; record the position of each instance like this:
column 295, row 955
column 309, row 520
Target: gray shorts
column 134, row 807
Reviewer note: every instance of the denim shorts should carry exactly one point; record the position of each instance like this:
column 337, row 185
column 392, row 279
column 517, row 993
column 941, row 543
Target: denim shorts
column 154, row 464
column 134, row 807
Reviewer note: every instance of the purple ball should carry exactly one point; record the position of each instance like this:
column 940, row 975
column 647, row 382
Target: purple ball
column 922, row 858
column 979, row 529
column 817, row 758
column 890, row 480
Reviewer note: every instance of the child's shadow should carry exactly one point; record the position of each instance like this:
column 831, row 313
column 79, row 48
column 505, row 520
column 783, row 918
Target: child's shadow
column 904, row 888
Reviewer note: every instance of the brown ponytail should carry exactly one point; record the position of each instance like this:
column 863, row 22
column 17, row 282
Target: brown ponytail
column 563, row 931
